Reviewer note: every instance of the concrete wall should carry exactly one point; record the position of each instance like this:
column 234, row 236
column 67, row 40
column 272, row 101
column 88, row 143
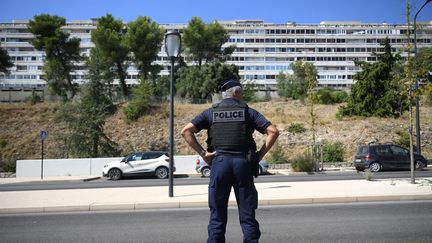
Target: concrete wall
column 184, row 164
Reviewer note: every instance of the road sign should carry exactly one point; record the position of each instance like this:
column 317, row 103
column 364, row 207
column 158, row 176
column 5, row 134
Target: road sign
column 44, row 134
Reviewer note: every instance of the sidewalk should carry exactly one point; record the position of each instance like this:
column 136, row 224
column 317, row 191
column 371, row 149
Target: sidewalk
column 275, row 193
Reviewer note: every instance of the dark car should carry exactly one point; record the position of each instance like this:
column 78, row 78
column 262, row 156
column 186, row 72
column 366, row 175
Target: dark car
column 377, row 157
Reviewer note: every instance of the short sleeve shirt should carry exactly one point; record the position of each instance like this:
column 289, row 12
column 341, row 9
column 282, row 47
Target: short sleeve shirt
column 204, row 120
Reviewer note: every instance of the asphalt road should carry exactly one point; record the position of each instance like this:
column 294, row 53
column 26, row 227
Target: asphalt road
column 356, row 222
column 197, row 180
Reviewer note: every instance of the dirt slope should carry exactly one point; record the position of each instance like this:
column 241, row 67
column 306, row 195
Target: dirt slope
column 20, row 126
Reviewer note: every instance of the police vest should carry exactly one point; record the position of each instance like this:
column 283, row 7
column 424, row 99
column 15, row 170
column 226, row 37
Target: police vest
column 230, row 129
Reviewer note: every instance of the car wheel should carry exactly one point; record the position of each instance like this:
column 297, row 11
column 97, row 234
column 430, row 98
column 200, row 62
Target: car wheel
column 260, row 170
column 206, row 171
column 374, row 167
column 161, row 172
column 114, row 174
column 419, row 165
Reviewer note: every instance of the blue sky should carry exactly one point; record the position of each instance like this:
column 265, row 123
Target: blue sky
column 181, row 11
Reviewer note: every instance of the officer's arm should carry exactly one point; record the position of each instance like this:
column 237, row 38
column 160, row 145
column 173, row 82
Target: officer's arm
column 272, row 134
column 188, row 133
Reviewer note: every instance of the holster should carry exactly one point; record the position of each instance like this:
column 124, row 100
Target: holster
column 252, row 159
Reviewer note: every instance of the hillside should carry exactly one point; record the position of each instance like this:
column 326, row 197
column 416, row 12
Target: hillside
column 21, row 125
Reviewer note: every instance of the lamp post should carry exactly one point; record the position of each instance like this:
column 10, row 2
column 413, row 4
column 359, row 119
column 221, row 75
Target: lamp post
column 416, row 81
column 172, row 48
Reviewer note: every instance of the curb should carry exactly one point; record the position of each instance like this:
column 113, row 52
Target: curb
column 204, row 204
column 91, row 179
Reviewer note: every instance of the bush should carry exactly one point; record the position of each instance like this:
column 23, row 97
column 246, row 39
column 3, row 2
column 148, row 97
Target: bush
column 428, row 94
column 8, row 166
column 404, row 140
column 277, row 155
column 331, row 96
column 296, row 128
column 303, row 163
column 34, row 98
column 333, row 152
column 134, row 110
column 140, row 103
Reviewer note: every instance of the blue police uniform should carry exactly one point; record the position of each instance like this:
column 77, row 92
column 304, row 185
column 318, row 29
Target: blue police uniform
column 231, row 169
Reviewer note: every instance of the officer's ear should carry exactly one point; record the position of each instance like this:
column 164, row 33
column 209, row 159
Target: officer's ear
column 238, row 92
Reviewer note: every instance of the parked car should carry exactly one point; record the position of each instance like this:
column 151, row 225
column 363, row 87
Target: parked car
column 203, row 168
column 377, row 157
column 139, row 163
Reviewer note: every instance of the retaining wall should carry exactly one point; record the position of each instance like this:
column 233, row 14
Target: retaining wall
column 87, row 167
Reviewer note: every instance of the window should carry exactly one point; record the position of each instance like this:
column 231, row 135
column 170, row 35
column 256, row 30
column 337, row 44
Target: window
column 399, row 151
column 383, row 150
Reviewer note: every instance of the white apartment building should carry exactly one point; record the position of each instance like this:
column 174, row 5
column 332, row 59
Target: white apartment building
column 263, row 50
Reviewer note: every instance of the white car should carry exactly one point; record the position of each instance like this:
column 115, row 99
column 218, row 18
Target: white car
column 139, row 163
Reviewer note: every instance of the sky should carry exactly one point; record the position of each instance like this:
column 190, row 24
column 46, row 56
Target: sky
column 181, row 11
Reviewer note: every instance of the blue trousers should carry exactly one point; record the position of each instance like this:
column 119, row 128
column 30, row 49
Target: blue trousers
column 228, row 172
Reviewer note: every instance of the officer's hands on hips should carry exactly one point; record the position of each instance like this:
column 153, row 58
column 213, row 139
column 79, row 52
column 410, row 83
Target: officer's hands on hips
column 208, row 157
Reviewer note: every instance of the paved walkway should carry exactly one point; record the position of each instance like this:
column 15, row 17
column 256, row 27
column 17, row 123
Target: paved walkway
column 275, row 193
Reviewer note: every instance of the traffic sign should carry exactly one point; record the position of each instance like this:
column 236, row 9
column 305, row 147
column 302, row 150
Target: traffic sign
column 44, row 134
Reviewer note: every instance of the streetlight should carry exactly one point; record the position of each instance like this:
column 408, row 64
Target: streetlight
column 172, row 48
column 416, row 81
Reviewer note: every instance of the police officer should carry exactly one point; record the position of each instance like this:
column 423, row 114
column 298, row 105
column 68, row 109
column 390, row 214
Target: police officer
column 230, row 125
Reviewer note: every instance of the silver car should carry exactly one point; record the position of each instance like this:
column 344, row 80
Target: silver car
column 203, row 168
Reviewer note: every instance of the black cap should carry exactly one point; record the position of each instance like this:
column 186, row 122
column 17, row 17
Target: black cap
column 229, row 84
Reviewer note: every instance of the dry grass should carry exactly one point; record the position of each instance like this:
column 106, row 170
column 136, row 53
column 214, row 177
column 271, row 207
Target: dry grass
column 21, row 124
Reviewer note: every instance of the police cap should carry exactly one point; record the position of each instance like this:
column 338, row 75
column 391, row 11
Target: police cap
column 229, row 84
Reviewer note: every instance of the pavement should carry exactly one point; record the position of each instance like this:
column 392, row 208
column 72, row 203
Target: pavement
column 191, row 196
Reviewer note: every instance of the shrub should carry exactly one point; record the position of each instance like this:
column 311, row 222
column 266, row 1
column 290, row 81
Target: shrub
column 8, row 166
column 34, row 98
column 277, row 155
column 296, row 128
column 404, row 140
column 368, row 175
column 140, row 103
column 333, row 152
column 303, row 163
column 331, row 96
column 3, row 143
column 134, row 110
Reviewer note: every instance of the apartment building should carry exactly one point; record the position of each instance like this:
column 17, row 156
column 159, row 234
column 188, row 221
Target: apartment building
column 263, row 50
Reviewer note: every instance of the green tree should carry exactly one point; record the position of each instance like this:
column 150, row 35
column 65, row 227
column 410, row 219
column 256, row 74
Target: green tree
column 203, row 42
column 5, row 61
column 409, row 81
column 310, row 75
column 109, row 37
column 249, row 92
column 377, row 91
column 293, row 85
column 144, row 39
column 424, row 64
column 424, row 72
column 202, row 82
column 62, row 52
column 85, row 119
column 141, row 101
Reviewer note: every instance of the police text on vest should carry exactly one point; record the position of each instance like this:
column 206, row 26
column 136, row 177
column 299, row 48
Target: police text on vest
column 229, row 116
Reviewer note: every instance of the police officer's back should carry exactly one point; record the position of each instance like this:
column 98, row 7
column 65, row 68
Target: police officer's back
column 230, row 152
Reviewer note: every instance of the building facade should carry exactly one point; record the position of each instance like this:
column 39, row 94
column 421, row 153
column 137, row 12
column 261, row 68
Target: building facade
column 263, row 50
